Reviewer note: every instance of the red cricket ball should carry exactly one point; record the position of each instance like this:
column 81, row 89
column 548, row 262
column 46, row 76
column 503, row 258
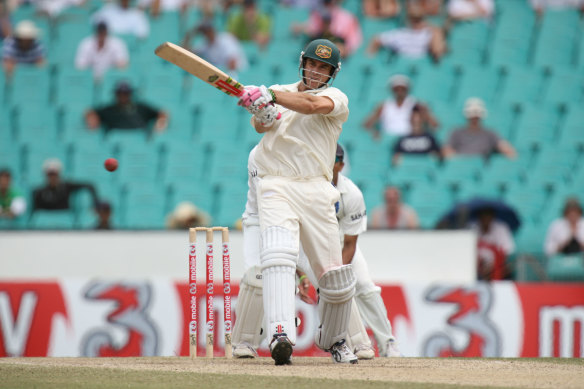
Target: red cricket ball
column 111, row 164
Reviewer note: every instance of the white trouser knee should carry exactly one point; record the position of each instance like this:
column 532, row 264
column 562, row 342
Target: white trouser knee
column 279, row 255
column 336, row 290
column 250, row 309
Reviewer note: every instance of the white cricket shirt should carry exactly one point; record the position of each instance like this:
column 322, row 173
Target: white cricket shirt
column 251, row 205
column 303, row 146
column 351, row 212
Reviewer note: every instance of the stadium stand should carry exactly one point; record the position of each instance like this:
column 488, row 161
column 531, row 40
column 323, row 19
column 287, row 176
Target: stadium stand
column 528, row 72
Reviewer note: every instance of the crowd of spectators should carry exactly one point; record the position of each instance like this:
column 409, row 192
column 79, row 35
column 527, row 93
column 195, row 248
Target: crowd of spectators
column 411, row 122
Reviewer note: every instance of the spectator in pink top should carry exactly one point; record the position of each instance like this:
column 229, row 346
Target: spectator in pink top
column 343, row 24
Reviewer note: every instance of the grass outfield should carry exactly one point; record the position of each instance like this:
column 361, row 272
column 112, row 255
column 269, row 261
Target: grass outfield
column 181, row 372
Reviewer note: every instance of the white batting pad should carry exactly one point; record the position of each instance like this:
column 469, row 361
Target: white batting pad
column 249, row 310
column 336, row 288
column 356, row 332
column 279, row 255
column 373, row 312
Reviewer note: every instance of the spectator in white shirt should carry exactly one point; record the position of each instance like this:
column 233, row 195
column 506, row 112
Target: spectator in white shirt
column 123, row 19
column 54, row 8
column 566, row 234
column 156, row 7
column 394, row 114
column 221, row 49
column 415, row 41
column 100, row 52
column 460, row 10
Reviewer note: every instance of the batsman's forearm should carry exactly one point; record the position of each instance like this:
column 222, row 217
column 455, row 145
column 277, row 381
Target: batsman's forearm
column 349, row 248
column 304, row 103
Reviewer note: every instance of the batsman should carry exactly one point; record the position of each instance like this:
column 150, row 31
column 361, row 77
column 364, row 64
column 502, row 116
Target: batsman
column 301, row 123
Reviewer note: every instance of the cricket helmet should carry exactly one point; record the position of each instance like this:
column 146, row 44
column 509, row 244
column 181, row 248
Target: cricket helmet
column 322, row 50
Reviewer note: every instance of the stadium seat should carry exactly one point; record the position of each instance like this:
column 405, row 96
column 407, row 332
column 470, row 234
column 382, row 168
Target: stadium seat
column 528, row 200
column 431, row 202
column 520, row 84
column 478, row 82
column 433, row 83
column 553, row 166
column 461, row 168
column 412, row 170
column 565, row 87
column 566, row 268
column 530, row 238
column 138, row 164
column 30, row 85
column 51, row 220
column 185, row 163
column 513, row 28
column 467, row 42
column 501, row 172
column 483, row 189
column 557, row 39
column 143, row 206
column 199, row 194
column 34, row 122
column 536, row 125
column 74, row 86
column 232, row 199
column 572, row 130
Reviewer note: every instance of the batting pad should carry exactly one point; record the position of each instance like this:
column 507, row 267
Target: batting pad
column 356, row 332
column 279, row 255
column 249, row 309
column 373, row 312
column 337, row 288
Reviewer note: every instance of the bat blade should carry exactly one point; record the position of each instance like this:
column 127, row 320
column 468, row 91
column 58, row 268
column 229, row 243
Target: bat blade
column 199, row 68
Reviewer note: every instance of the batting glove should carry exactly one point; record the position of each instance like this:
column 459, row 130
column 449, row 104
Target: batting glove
column 268, row 115
column 254, row 98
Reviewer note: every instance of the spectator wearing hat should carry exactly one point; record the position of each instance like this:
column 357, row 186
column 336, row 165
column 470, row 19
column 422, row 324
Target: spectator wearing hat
column 220, row 48
column 23, row 48
column 125, row 113
column 186, row 215
column 249, row 24
column 419, row 142
column 415, row 41
column 474, row 139
column 394, row 114
column 566, row 234
column 100, row 52
column 56, row 193
column 123, row 19
column 12, row 202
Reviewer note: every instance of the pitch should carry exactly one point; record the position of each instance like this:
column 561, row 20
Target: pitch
column 182, row 372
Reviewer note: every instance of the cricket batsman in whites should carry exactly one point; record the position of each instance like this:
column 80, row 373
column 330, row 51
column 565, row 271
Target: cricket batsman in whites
column 301, row 124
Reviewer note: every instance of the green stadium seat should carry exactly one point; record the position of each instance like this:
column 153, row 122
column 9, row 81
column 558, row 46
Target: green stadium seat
column 501, row 119
column 572, row 131
column 229, row 164
column 566, row 86
column 431, row 201
column 192, row 191
column 514, row 27
column 412, row 170
column 468, row 42
column 74, row 86
column 433, row 83
column 553, row 166
column 185, row 163
column 557, row 40
column 566, row 268
column 527, row 199
column 138, row 164
column 232, row 199
column 143, row 206
column 530, row 238
column 460, row 169
column 52, row 220
column 521, row 84
column 477, row 82
column 34, row 122
column 501, row 172
column 484, row 189
column 536, row 125
column 87, row 163
column 30, row 85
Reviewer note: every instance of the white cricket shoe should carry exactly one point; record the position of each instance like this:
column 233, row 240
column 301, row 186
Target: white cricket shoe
column 341, row 353
column 392, row 350
column 244, row 350
column 364, row 351
column 281, row 349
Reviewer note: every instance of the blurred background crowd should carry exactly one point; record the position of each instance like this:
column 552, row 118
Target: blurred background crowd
column 464, row 114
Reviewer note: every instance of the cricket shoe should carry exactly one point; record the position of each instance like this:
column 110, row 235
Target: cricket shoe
column 392, row 350
column 364, row 351
column 244, row 350
column 341, row 353
column 281, row 349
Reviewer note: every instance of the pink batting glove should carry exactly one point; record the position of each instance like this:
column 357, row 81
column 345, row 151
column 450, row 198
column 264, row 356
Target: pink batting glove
column 249, row 96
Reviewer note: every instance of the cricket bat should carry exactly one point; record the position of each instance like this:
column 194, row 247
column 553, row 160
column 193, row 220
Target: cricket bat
column 199, row 68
